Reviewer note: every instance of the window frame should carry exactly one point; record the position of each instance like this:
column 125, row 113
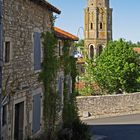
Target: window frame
column 7, row 39
column 60, row 47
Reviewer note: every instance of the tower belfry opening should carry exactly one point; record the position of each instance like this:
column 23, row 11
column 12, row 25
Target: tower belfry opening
column 98, row 24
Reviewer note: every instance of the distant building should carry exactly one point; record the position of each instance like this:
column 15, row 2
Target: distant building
column 98, row 26
column 137, row 50
column 64, row 36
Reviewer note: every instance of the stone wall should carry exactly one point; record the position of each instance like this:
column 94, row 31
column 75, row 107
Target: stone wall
column 109, row 105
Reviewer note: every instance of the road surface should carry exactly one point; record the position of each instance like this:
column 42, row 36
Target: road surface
column 117, row 128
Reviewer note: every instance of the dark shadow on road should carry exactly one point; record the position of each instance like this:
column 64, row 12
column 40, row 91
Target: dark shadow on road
column 117, row 132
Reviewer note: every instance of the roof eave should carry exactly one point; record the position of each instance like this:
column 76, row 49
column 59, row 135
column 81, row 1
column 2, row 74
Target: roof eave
column 64, row 35
column 66, row 38
column 48, row 5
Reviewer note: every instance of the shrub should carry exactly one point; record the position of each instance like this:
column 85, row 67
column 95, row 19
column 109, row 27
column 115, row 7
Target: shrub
column 75, row 130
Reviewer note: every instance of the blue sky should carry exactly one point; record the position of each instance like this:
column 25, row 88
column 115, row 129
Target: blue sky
column 126, row 17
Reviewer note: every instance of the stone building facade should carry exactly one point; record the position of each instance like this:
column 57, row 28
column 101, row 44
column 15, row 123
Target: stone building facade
column 98, row 26
column 23, row 23
column 64, row 36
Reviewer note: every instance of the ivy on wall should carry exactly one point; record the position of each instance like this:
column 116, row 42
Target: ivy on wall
column 69, row 63
column 52, row 104
column 48, row 75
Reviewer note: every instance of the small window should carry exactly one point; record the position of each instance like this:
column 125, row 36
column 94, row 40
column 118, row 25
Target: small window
column 7, row 52
column 91, row 26
column 59, row 48
column 60, row 88
column 101, row 25
column 60, row 85
column 91, row 52
column 4, row 112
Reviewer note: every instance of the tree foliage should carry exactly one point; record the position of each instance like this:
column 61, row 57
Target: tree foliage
column 80, row 43
column 80, row 46
column 117, row 69
column 87, row 79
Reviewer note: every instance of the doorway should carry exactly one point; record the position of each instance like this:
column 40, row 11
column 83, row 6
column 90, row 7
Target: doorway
column 19, row 121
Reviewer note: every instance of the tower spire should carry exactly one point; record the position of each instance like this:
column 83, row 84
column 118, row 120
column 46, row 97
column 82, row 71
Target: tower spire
column 98, row 26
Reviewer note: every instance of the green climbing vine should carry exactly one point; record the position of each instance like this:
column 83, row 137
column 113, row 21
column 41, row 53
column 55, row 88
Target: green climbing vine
column 69, row 63
column 52, row 104
column 48, row 75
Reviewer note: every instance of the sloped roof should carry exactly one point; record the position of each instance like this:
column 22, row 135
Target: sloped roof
column 137, row 50
column 64, row 35
column 48, row 5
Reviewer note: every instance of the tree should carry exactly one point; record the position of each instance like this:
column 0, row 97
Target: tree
column 80, row 43
column 117, row 69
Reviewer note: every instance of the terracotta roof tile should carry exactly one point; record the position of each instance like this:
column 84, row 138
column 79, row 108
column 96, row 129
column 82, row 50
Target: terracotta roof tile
column 137, row 50
column 65, row 35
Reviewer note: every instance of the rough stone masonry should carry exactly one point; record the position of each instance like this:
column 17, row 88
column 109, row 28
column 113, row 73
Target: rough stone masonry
column 108, row 105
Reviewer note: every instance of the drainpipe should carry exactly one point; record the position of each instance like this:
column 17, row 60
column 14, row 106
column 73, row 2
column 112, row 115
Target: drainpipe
column 1, row 61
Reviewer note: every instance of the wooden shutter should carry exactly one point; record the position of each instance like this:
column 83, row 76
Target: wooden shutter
column 70, row 84
column 1, row 7
column 1, row 34
column 36, row 113
column 60, row 87
column 37, row 51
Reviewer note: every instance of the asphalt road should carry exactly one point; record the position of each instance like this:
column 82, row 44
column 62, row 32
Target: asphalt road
column 117, row 128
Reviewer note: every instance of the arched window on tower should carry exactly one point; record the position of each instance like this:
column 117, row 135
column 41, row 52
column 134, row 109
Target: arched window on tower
column 91, row 51
column 91, row 26
column 101, row 25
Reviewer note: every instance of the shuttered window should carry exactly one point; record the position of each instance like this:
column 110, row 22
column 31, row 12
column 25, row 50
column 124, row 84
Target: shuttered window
column 70, row 84
column 36, row 113
column 60, row 51
column 37, row 51
column 1, row 34
column 60, row 86
column 1, row 11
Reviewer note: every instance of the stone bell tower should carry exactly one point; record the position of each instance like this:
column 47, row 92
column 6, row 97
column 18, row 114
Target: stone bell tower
column 97, row 26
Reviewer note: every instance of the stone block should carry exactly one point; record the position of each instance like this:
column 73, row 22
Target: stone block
column 86, row 114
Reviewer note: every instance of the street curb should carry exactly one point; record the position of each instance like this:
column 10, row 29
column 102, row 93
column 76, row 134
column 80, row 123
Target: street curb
column 98, row 137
